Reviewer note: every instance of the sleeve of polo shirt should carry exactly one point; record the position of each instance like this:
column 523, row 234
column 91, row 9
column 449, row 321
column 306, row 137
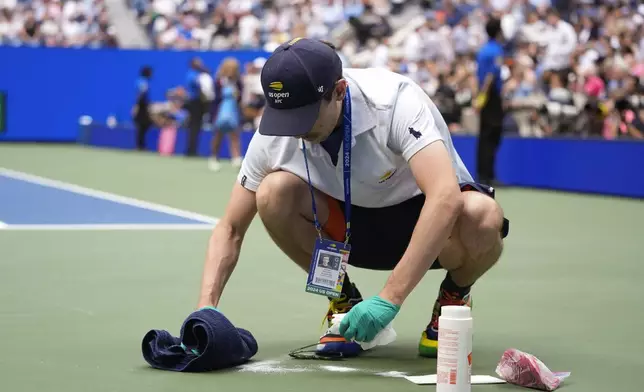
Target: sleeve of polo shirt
column 413, row 125
column 255, row 165
column 498, row 62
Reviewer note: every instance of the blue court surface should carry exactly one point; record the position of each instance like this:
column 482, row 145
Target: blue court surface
column 32, row 202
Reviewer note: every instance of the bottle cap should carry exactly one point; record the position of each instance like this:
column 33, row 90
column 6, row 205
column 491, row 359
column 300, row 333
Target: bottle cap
column 456, row 312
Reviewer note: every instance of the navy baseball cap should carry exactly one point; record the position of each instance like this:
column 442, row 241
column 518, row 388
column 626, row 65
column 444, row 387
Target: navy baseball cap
column 294, row 79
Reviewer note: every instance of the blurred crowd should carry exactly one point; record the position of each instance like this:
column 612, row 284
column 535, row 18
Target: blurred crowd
column 576, row 69
column 56, row 23
column 265, row 24
column 572, row 67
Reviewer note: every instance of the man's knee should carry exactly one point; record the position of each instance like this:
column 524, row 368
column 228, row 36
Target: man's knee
column 483, row 211
column 278, row 193
column 481, row 223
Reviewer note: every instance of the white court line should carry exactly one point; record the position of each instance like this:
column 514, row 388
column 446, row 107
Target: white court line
column 107, row 196
column 107, row 227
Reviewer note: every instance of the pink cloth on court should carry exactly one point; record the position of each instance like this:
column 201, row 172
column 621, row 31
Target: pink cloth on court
column 525, row 370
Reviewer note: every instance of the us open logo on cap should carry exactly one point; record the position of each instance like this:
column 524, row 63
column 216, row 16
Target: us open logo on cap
column 278, row 96
column 277, row 86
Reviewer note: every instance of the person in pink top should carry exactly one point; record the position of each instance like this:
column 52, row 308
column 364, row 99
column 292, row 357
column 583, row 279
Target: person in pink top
column 594, row 86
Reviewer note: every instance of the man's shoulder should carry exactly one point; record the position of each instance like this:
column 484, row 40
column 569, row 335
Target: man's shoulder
column 374, row 76
column 379, row 86
column 490, row 49
column 268, row 145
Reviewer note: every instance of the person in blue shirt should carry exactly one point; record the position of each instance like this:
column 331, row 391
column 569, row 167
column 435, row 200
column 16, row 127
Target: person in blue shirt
column 142, row 118
column 489, row 102
column 196, row 104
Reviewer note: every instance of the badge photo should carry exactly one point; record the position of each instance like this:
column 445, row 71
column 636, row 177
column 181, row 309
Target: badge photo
column 328, row 267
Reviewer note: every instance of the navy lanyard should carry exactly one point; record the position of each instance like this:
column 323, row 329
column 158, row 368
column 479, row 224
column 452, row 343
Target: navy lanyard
column 346, row 162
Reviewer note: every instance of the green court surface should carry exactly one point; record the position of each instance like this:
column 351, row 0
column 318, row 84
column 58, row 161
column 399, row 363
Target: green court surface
column 74, row 305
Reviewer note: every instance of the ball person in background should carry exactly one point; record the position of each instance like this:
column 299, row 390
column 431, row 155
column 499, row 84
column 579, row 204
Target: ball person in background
column 414, row 205
column 196, row 104
column 489, row 102
column 227, row 112
column 142, row 117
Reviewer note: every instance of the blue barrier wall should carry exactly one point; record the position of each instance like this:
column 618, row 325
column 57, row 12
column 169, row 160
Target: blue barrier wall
column 588, row 166
column 48, row 89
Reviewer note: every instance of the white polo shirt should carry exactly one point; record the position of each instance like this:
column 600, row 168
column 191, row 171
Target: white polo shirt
column 392, row 119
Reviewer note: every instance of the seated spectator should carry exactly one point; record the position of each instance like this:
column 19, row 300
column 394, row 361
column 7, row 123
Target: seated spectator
column 558, row 91
column 523, row 100
column 52, row 23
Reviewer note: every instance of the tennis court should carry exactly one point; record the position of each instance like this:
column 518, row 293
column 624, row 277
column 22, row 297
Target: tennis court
column 99, row 246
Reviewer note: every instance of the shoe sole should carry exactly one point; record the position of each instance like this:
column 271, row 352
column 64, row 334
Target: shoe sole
column 427, row 348
column 338, row 345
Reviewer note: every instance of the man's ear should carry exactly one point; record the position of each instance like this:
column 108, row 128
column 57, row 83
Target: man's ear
column 341, row 89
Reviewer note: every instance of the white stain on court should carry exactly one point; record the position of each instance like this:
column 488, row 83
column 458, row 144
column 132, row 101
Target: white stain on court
column 339, row 369
column 270, row 366
column 277, row 366
column 392, row 373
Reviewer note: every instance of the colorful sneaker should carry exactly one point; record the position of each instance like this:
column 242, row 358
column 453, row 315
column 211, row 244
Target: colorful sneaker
column 334, row 344
column 428, row 345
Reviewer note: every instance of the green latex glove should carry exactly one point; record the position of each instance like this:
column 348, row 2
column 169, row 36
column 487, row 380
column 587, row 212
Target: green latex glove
column 209, row 307
column 366, row 319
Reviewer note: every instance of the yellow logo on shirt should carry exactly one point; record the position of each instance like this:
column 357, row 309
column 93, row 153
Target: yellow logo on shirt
column 277, row 86
column 386, row 176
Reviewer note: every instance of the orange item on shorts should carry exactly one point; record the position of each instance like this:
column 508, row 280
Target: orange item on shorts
column 335, row 226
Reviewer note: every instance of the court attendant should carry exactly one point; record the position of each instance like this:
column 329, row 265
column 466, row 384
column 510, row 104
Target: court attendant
column 489, row 102
column 357, row 164
column 142, row 117
column 195, row 105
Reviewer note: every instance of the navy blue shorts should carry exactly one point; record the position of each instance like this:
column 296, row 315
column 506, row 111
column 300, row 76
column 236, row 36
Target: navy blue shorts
column 380, row 236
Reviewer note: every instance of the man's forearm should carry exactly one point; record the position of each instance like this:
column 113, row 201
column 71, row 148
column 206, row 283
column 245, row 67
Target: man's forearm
column 221, row 259
column 431, row 233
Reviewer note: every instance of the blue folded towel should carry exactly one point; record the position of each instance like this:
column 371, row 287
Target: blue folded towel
column 209, row 341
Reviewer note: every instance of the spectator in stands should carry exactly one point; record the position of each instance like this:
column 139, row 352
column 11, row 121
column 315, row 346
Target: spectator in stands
column 557, row 90
column 370, row 25
column 445, row 100
column 562, row 42
column 30, row 33
column 227, row 112
column 624, row 122
column 534, row 31
column 9, row 27
column 521, row 96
